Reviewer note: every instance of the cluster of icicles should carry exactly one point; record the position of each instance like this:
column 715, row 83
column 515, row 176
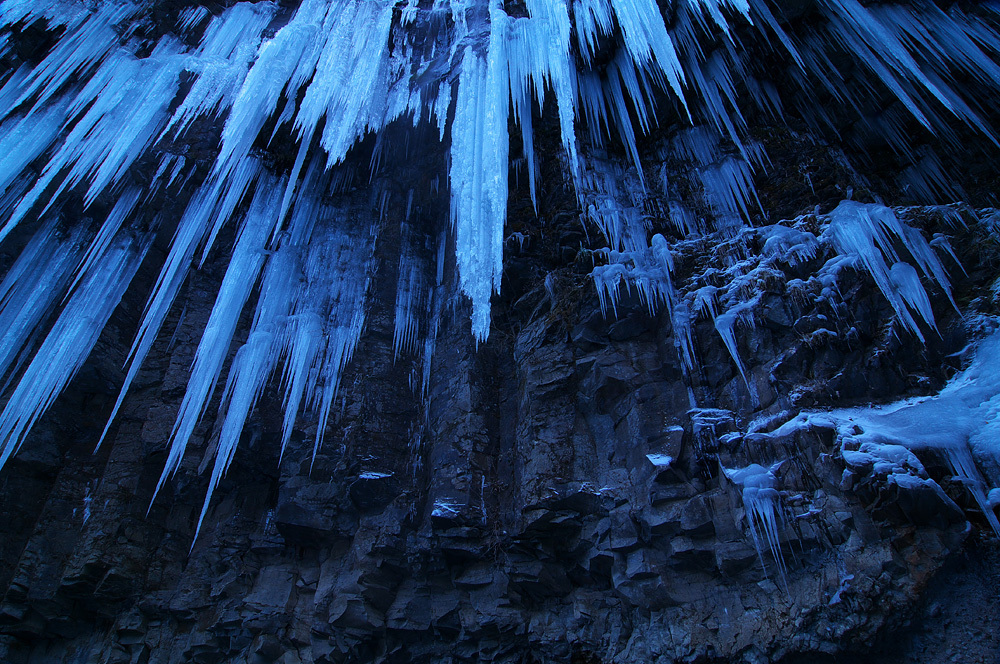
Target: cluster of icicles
column 107, row 95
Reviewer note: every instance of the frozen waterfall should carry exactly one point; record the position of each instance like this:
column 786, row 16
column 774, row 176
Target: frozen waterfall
column 118, row 93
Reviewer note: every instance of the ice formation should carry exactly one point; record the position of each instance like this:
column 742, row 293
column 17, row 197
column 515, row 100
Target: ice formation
column 117, row 94
column 866, row 237
column 761, row 502
column 868, row 233
column 962, row 421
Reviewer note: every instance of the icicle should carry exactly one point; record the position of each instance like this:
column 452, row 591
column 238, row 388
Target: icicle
column 272, row 334
column 648, row 271
column 24, row 139
column 729, row 189
column 214, row 202
column 285, row 62
column 725, row 324
column 222, row 61
column 348, row 84
column 32, row 288
column 252, row 367
column 761, row 500
column 926, row 180
column 940, row 242
column 118, row 215
column 964, row 468
column 244, row 269
column 607, row 280
column 698, row 144
column 539, row 52
column 478, row 174
column 866, row 231
column 342, row 291
column 862, row 33
column 125, row 91
column 682, row 218
column 70, row 340
column 906, row 282
column 191, row 18
column 409, row 288
column 86, row 44
column 105, row 97
column 714, row 80
column 436, row 298
column 614, row 200
column 647, row 40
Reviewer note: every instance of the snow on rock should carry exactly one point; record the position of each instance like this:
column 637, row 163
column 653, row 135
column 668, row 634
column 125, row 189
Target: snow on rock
column 961, row 421
column 660, row 461
column 789, row 244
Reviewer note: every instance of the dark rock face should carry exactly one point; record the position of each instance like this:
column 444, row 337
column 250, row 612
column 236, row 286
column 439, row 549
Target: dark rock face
column 560, row 493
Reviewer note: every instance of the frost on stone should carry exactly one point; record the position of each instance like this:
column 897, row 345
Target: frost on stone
column 731, row 289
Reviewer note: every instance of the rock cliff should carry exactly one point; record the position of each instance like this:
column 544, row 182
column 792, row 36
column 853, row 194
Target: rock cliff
column 560, row 493
column 609, row 477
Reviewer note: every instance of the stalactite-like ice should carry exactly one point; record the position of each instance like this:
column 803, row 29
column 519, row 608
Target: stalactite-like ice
column 410, row 290
column 209, row 208
column 479, row 150
column 868, row 233
column 221, row 62
column 725, row 324
column 70, row 340
column 310, row 313
column 761, row 502
column 33, row 286
column 241, row 277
